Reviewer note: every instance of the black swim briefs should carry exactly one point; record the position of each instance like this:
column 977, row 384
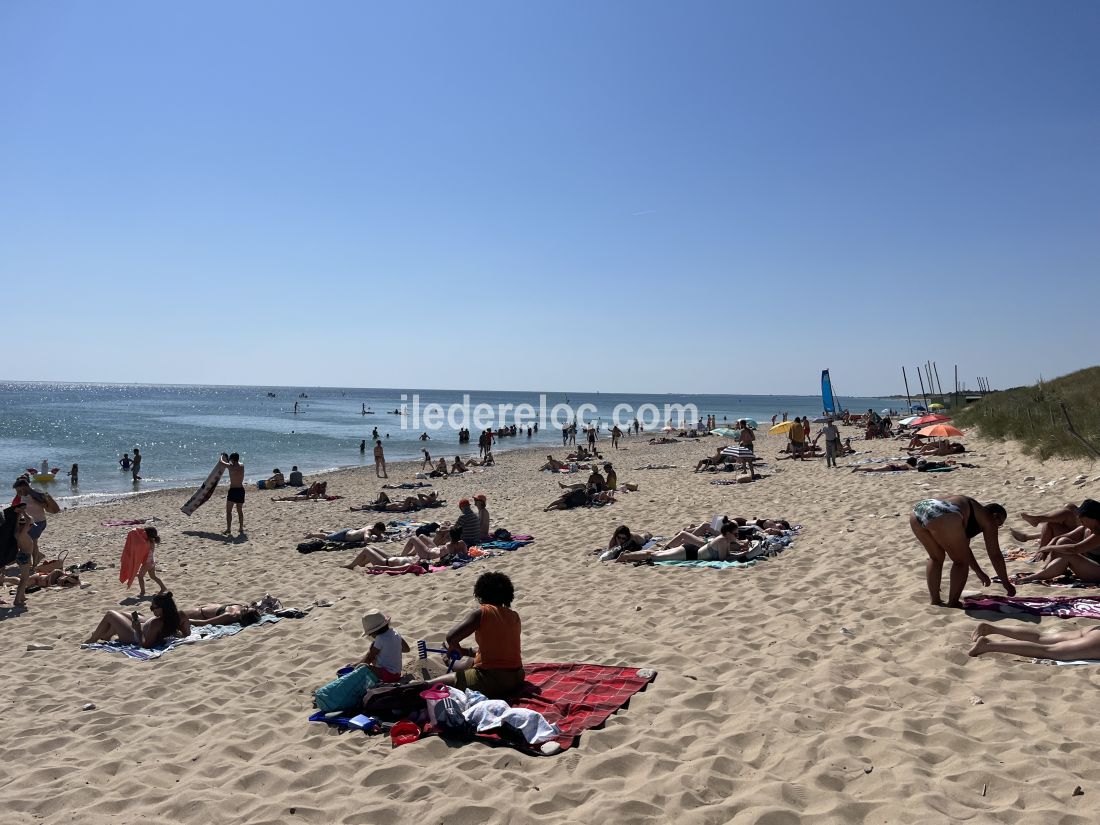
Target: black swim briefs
column 235, row 495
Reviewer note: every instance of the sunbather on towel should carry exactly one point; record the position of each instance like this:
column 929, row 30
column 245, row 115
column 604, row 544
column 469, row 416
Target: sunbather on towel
column 945, row 527
column 710, row 461
column 348, row 535
column 1065, row 646
column 418, row 550
column 939, row 448
column 316, row 490
column 594, row 480
column 214, row 613
column 166, row 621
column 552, row 464
column 568, row 500
column 1076, row 552
column 624, row 540
column 683, row 547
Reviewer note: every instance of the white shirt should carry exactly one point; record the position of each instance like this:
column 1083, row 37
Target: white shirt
column 388, row 645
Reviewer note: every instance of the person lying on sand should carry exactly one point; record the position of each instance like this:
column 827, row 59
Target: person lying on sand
column 1056, row 523
column 55, row 578
column 316, row 490
column 214, row 614
column 418, row 550
column 552, row 464
column 580, row 498
column 582, row 454
column 912, row 463
column 664, row 440
column 625, row 540
column 351, row 535
column 940, row 448
column 166, row 621
column 683, row 547
column 945, row 528
column 1076, row 552
column 410, row 503
column 1063, row 646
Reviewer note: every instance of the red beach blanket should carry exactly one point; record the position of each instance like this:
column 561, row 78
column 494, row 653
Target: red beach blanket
column 1036, row 605
column 575, row 697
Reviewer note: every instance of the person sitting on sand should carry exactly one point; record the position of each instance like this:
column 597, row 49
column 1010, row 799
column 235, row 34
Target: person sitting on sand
column 594, row 480
column 1060, row 522
column 1076, row 552
column 457, row 466
column 722, row 547
column 166, row 621
column 215, row 614
column 349, row 535
column 295, row 478
column 316, row 490
column 611, row 481
column 440, row 470
column 579, row 454
column 276, row 481
column 710, row 461
column 1064, row 646
column 384, row 656
column 552, row 464
column 945, row 527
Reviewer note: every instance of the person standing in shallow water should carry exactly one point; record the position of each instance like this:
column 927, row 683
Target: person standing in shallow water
column 135, row 466
column 235, row 496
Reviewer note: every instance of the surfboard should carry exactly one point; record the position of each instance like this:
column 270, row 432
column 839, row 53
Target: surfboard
column 202, row 495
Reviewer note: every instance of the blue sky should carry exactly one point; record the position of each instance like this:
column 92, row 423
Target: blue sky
column 614, row 196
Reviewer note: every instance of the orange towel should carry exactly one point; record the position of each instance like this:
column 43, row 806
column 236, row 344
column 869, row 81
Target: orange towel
column 134, row 555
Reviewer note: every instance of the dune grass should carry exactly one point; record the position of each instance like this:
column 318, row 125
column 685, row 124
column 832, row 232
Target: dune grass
column 1033, row 415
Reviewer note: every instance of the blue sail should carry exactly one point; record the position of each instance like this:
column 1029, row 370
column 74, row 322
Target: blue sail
column 827, row 402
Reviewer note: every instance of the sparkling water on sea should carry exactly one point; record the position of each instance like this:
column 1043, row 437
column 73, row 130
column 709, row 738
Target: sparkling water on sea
column 180, row 430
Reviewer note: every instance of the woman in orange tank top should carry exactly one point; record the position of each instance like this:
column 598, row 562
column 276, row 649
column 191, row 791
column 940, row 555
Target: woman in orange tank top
column 497, row 669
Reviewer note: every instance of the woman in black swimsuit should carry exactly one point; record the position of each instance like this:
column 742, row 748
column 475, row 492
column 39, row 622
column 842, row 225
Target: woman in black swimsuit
column 945, row 528
column 210, row 614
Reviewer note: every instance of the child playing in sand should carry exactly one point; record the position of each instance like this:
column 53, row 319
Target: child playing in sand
column 384, row 656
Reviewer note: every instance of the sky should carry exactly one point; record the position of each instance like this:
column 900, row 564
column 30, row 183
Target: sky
column 618, row 196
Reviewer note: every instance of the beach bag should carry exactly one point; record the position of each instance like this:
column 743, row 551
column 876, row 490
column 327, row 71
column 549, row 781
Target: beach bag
column 311, row 546
column 49, row 505
column 500, row 534
column 427, row 529
column 345, row 692
column 49, row 566
column 448, row 720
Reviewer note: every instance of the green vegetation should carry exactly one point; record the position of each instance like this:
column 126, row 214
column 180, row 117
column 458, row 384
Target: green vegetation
column 1033, row 415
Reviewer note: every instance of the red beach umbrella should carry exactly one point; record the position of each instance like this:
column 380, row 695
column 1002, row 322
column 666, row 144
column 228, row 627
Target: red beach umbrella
column 929, row 419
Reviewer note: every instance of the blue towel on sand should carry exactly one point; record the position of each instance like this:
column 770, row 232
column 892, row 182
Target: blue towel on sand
column 713, row 565
column 198, row 634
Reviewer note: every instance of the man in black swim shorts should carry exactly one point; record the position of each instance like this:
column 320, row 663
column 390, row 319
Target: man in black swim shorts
column 235, row 494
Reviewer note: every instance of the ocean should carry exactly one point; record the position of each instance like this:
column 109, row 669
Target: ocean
column 181, row 430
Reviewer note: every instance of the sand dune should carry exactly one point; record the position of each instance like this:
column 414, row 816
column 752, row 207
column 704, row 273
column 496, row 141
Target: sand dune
column 815, row 687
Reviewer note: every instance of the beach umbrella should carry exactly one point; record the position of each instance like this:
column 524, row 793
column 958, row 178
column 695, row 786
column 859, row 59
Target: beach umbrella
column 781, row 428
column 935, row 406
column 930, row 419
column 913, row 419
column 884, row 412
column 668, row 428
column 940, row 431
column 749, row 422
column 918, row 407
column 821, row 419
column 726, row 432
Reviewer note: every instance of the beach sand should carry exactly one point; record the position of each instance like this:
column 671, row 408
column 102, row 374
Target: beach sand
column 815, row 687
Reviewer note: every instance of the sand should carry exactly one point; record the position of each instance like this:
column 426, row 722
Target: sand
column 816, row 687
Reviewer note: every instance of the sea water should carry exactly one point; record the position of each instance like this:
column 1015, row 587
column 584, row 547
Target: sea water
column 181, row 430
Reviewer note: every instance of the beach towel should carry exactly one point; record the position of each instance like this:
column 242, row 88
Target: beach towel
column 202, row 495
column 125, row 522
column 1064, row 608
column 515, row 544
column 198, row 634
column 575, row 697
column 713, row 565
column 415, row 569
column 134, row 554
